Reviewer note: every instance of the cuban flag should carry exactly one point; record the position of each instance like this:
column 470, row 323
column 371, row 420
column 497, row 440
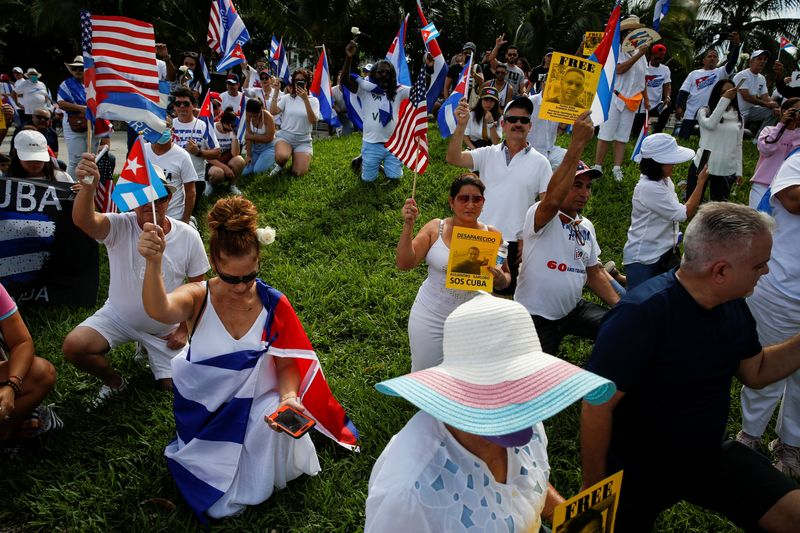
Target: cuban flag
column 397, row 55
column 606, row 53
column 352, row 103
column 659, row 12
column 436, row 85
column 787, row 46
column 139, row 182
column 447, row 116
column 242, row 123
column 234, row 57
column 636, row 156
column 321, row 88
column 220, row 403
column 226, row 29
column 278, row 60
column 206, row 115
column 204, row 70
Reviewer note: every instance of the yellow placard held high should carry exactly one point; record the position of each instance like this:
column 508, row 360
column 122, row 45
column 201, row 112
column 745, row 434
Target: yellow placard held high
column 591, row 41
column 569, row 91
column 593, row 509
column 472, row 251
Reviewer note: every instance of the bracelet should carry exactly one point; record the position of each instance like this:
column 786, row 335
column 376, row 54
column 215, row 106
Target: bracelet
column 288, row 396
column 14, row 386
column 17, row 378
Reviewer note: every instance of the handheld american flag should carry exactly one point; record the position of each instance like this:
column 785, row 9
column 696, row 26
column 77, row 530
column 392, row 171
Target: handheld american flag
column 409, row 141
column 606, row 53
column 120, row 72
column 436, row 86
column 138, row 183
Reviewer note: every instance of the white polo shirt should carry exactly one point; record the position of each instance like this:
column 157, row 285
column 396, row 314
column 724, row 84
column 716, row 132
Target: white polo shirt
column 554, row 263
column 543, row 132
column 755, row 84
column 511, row 185
column 654, row 220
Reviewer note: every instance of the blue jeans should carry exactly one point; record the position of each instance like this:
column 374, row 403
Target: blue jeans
column 261, row 160
column 372, row 154
column 637, row 273
column 687, row 128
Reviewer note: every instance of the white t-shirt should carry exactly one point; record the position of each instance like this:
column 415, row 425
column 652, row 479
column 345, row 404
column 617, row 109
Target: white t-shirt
column 225, row 139
column 294, row 117
column 31, row 95
column 194, row 130
column 374, row 131
column 654, row 221
column 699, row 84
column 474, row 129
column 183, row 257
column 161, row 67
column 426, row 482
column 543, row 133
column 655, row 78
column 755, row 84
column 554, row 263
column 515, row 77
column 511, row 188
column 784, row 268
column 231, row 101
column 633, row 81
column 178, row 169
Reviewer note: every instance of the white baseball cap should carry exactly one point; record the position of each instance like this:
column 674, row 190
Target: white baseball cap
column 759, row 53
column 31, row 146
column 664, row 149
column 16, row 69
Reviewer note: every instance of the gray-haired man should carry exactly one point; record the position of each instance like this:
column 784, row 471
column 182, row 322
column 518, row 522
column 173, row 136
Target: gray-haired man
column 673, row 346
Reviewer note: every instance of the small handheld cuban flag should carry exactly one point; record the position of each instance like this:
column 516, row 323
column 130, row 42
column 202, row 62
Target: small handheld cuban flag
column 636, row 156
column 447, row 113
column 429, row 33
column 660, row 10
column 206, row 115
column 139, row 182
column 321, row 88
column 397, row 55
column 439, row 74
column 787, row 46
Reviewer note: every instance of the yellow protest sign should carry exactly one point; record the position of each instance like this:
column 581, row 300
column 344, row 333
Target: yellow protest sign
column 571, row 84
column 593, row 509
column 591, row 41
column 472, row 251
column 2, row 117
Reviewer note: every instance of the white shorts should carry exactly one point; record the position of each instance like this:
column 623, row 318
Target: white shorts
column 618, row 126
column 107, row 323
column 300, row 143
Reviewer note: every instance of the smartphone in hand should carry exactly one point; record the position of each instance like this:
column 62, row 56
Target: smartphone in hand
column 292, row 421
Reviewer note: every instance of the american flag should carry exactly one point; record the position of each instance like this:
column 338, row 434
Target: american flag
column 409, row 142
column 102, row 195
column 120, row 72
column 214, row 36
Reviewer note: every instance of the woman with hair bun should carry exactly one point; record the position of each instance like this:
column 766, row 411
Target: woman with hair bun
column 249, row 355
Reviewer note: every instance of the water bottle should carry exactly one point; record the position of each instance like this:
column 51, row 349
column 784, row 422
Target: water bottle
column 502, row 253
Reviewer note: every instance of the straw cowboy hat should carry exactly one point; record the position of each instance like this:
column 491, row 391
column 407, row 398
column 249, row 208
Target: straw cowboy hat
column 77, row 62
column 495, row 379
column 631, row 22
column 32, row 72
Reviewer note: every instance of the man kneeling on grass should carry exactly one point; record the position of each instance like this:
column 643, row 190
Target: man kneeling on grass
column 673, row 346
column 122, row 318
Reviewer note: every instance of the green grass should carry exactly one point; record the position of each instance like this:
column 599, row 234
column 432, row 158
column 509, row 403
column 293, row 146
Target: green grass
column 334, row 259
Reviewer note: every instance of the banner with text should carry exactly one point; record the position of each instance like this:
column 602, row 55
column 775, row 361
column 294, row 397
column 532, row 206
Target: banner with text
column 593, row 509
column 571, row 84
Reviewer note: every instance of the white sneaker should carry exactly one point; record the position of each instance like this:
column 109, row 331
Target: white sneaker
column 208, row 191
column 235, row 190
column 787, row 458
column 140, row 356
column 107, row 393
column 617, row 172
column 277, row 168
column 598, row 167
column 754, row 443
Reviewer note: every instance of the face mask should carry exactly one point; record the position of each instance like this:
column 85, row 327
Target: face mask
column 166, row 136
column 512, row 440
column 34, row 79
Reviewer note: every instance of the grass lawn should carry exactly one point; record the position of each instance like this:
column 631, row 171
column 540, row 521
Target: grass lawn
column 334, row 259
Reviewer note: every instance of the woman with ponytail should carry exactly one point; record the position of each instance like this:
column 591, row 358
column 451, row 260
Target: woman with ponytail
column 249, row 355
column 775, row 143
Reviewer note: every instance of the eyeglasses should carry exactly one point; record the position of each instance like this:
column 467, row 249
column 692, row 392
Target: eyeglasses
column 476, row 199
column 183, row 103
column 513, row 119
column 235, row 280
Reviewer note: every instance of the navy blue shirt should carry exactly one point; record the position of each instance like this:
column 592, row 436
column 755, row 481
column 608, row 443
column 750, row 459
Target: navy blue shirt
column 675, row 361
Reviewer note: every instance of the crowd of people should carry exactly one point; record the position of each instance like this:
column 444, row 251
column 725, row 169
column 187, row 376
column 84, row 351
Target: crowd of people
column 485, row 370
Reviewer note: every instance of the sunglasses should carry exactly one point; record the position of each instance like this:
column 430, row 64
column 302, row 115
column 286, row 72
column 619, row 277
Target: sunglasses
column 265, row 77
column 514, row 119
column 476, row 199
column 191, row 54
column 235, row 280
column 182, row 103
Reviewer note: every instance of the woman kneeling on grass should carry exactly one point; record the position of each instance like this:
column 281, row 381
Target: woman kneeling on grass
column 249, row 355
column 24, row 378
column 434, row 302
column 299, row 112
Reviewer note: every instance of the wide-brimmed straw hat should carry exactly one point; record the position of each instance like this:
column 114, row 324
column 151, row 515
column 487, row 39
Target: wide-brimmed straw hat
column 631, row 22
column 32, row 72
column 495, row 379
column 77, row 62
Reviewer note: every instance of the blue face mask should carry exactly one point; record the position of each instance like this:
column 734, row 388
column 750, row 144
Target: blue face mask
column 166, row 136
column 512, row 440
column 34, row 79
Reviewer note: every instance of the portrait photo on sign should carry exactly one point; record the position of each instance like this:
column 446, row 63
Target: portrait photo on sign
column 471, row 253
column 590, row 511
column 591, row 41
column 571, row 84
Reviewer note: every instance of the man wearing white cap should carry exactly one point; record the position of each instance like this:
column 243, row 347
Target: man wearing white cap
column 32, row 94
column 672, row 347
column 232, row 97
column 775, row 305
column 474, row 458
column 755, row 103
column 122, row 318
column 630, row 87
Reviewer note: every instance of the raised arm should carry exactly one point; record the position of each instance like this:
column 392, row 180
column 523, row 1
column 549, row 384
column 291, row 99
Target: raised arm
column 564, row 176
column 733, row 54
column 93, row 224
column 454, row 154
column 412, row 250
column 626, row 65
column 500, row 41
column 344, row 75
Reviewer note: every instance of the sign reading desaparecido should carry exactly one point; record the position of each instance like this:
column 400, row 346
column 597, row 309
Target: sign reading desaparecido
column 472, row 251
